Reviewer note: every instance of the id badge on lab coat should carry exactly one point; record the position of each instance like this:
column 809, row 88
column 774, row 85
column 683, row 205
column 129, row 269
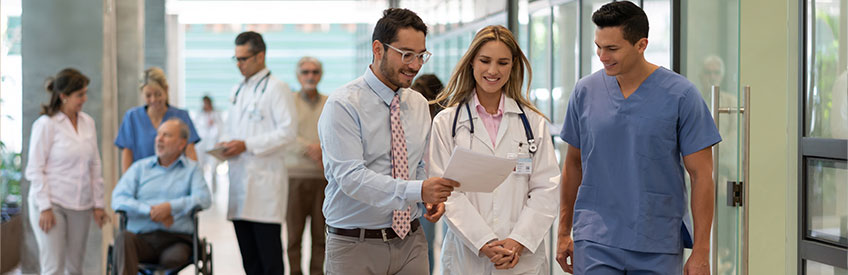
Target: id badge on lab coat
column 524, row 165
column 254, row 114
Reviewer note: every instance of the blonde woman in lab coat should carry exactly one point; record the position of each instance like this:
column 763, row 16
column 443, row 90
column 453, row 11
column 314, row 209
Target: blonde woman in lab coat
column 501, row 232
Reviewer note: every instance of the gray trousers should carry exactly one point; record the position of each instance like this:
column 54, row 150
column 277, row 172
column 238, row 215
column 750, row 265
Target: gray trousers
column 168, row 250
column 352, row 255
column 61, row 250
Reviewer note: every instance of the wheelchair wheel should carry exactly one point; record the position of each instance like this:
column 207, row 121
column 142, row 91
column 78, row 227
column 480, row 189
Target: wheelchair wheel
column 110, row 263
column 204, row 263
column 208, row 259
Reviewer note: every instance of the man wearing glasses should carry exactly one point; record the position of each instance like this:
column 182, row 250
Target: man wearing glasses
column 373, row 131
column 260, row 124
column 306, row 173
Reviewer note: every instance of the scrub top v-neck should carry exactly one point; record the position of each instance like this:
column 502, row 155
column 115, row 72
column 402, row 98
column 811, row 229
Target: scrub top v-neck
column 633, row 192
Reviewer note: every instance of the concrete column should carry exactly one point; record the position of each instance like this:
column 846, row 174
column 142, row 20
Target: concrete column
column 175, row 67
column 155, row 34
column 123, row 61
column 161, row 44
column 131, row 57
column 512, row 16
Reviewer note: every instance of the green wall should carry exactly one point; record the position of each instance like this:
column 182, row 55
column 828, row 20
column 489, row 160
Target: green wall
column 769, row 64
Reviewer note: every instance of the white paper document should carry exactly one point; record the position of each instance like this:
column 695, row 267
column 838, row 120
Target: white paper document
column 477, row 172
column 218, row 153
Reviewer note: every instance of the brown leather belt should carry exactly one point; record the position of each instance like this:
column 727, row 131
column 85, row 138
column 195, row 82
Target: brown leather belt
column 385, row 233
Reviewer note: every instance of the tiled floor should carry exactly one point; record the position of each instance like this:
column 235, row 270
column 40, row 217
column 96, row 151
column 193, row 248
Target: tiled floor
column 215, row 227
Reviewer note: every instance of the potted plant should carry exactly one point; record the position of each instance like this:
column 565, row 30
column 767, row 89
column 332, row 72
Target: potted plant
column 10, row 207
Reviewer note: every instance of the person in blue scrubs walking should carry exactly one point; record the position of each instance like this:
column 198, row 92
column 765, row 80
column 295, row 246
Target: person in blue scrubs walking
column 628, row 127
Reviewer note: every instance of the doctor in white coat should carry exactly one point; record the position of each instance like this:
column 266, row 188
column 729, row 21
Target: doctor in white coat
column 501, row 232
column 259, row 126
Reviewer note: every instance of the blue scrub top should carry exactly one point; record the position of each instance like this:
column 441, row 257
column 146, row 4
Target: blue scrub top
column 633, row 194
column 137, row 132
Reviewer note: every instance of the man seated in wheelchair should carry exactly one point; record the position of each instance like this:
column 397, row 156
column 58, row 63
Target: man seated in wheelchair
column 158, row 194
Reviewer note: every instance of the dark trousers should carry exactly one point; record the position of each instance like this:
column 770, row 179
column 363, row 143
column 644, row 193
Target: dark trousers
column 261, row 247
column 306, row 197
column 167, row 249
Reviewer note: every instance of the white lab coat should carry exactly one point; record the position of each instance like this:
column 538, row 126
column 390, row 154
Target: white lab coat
column 522, row 208
column 266, row 122
column 208, row 126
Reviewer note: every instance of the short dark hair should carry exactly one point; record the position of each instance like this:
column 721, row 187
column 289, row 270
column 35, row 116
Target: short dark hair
column 631, row 18
column 428, row 85
column 394, row 19
column 252, row 38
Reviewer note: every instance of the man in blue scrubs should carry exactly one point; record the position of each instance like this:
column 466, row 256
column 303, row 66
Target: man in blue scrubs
column 632, row 128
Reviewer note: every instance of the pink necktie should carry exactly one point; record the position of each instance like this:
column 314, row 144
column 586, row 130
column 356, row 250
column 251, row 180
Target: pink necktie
column 400, row 167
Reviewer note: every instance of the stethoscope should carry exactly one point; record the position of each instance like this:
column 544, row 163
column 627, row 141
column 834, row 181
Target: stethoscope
column 264, row 78
column 254, row 111
column 531, row 142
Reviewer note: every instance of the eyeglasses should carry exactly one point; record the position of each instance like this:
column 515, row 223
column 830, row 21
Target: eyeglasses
column 408, row 56
column 243, row 59
column 306, row 72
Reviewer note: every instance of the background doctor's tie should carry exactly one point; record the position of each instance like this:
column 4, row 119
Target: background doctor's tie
column 400, row 167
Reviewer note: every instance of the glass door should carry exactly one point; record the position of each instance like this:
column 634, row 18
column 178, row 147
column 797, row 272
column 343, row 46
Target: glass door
column 710, row 59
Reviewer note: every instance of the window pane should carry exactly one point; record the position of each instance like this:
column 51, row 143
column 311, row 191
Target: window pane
column 565, row 56
column 589, row 59
column 659, row 33
column 209, row 69
column 826, row 92
column 817, row 268
column 827, row 206
column 11, row 79
column 540, row 60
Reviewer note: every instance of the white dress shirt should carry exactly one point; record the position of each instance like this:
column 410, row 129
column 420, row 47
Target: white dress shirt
column 64, row 163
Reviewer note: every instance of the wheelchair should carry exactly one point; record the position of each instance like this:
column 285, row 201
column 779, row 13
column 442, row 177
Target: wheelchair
column 201, row 253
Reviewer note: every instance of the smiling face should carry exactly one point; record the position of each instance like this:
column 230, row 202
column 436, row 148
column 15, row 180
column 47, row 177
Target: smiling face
column 617, row 54
column 492, row 66
column 73, row 102
column 169, row 142
column 155, row 96
column 389, row 62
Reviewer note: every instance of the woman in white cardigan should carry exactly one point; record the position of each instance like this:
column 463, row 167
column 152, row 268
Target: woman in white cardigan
column 66, row 190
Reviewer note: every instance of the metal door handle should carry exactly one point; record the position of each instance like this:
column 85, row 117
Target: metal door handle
column 744, row 110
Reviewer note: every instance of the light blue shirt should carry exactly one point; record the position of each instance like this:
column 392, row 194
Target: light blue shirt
column 137, row 133
column 355, row 135
column 633, row 194
column 147, row 183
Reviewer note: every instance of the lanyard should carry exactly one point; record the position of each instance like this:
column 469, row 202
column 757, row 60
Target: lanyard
column 531, row 142
column 527, row 130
